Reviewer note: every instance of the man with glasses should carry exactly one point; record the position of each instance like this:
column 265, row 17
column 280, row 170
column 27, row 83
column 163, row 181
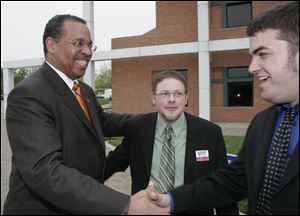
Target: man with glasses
column 170, row 147
column 56, row 132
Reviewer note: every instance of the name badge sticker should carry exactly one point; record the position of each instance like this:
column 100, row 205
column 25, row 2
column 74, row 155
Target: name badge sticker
column 202, row 155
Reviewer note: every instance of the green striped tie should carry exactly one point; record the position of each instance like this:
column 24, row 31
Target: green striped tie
column 167, row 163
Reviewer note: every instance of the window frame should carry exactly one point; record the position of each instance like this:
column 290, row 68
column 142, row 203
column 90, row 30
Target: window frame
column 224, row 5
column 226, row 80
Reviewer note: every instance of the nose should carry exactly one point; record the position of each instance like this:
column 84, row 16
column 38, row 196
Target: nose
column 86, row 50
column 171, row 97
column 254, row 66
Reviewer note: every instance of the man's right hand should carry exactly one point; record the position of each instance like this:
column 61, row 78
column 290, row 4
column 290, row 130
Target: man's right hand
column 148, row 202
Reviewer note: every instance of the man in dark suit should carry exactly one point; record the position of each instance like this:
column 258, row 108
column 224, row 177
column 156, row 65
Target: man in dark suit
column 267, row 167
column 56, row 132
column 199, row 144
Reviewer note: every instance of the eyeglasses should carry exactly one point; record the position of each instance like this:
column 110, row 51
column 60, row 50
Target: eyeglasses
column 80, row 45
column 166, row 94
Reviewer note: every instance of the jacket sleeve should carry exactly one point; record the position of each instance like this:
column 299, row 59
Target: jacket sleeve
column 221, row 163
column 222, row 188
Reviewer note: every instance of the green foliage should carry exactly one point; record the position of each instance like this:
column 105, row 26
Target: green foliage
column 103, row 79
column 19, row 75
column 22, row 73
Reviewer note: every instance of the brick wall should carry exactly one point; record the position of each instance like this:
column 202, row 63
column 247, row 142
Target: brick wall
column 176, row 22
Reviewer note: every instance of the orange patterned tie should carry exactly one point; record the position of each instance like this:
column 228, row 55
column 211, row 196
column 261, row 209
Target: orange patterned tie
column 81, row 100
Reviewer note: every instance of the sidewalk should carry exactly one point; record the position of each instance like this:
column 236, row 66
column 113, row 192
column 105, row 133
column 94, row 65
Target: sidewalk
column 119, row 181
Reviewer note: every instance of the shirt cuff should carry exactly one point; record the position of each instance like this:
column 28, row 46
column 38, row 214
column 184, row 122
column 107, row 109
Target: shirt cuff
column 171, row 203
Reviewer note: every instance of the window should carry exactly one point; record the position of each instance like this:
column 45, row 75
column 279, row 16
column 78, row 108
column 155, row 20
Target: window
column 240, row 94
column 238, row 15
column 237, row 87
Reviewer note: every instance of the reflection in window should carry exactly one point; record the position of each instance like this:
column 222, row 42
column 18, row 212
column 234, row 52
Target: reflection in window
column 239, row 87
column 240, row 94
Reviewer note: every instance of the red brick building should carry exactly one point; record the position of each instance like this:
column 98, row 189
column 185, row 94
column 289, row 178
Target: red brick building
column 234, row 94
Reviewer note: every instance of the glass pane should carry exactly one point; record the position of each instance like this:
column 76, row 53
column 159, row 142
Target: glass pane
column 238, row 15
column 240, row 94
column 238, row 72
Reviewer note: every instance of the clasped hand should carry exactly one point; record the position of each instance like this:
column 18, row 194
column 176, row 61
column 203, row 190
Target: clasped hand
column 148, row 202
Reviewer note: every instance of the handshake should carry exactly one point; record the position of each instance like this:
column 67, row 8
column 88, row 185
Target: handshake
column 148, row 202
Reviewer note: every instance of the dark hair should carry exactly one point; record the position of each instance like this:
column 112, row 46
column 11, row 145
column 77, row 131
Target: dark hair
column 283, row 17
column 166, row 75
column 54, row 27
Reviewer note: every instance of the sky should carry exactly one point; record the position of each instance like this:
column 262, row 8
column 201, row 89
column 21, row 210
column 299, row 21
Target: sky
column 23, row 23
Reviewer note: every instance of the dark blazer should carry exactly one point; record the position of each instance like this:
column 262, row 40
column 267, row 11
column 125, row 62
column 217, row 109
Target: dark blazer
column 244, row 176
column 57, row 155
column 136, row 151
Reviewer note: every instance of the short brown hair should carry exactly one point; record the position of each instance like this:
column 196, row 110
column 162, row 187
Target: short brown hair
column 166, row 75
column 283, row 17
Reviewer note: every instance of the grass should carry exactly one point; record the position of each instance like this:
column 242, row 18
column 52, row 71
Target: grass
column 102, row 101
column 233, row 145
column 114, row 140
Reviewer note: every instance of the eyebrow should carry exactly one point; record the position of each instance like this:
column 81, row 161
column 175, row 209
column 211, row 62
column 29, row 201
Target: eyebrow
column 259, row 49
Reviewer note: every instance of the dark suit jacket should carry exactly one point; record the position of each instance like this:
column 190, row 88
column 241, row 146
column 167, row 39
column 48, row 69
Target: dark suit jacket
column 57, row 155
column 244, row 176
column 136, row 151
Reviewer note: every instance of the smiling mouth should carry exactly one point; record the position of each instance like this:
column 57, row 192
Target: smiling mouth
column 264, row 78
column 82, row 63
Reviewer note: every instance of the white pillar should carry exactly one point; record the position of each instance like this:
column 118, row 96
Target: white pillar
column 203, row 59
column 8, row 85
column 88, row 16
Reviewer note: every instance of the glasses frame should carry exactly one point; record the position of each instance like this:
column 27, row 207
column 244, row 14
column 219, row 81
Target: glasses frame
column 78, row 44
column 167, row 95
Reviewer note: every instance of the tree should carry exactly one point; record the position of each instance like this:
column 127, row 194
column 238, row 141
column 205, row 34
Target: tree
column 22, row 73
column 103, row 79
column 19, row 75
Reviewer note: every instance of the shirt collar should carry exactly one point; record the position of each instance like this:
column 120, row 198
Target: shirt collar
column 66, row 79
column 284, row 106
column 177, row 126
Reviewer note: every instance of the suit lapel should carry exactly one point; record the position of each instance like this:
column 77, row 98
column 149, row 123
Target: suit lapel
column 146, row 135
column 291, row 171
column 67, row 96
column 95, row 127
column 192, row 138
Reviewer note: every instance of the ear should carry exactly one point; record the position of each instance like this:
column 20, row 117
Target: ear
column 152, row 97
column 186, row 99
column 50, row 44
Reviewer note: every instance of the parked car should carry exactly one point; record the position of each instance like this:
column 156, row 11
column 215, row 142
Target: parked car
column 108, row 94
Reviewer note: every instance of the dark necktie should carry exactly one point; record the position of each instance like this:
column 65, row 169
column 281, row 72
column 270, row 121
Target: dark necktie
column 81, row 100
column 167, row 163
column 276, row 163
